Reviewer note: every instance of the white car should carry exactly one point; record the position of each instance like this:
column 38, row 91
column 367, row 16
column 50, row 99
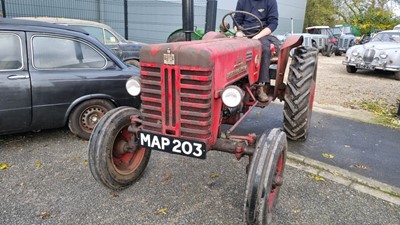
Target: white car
column 381, row 53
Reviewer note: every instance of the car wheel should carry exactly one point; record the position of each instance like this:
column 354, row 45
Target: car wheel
column 351, row 69
column 397, row 75
column 338, row 53
column 300, row 92
column 86, row 115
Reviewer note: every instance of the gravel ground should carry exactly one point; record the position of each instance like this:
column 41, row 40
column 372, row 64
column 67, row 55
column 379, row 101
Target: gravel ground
column 337, row 87
column 188, row 191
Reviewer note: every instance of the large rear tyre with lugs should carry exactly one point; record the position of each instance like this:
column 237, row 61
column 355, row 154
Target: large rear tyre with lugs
column 299, row 96
column 115, row 160
column 265, row 177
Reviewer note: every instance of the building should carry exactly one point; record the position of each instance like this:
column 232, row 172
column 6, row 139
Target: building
column 149, row 21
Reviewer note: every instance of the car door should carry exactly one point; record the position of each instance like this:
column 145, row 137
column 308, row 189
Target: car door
column 66, row 69
column 112, row 42
column 15, row 86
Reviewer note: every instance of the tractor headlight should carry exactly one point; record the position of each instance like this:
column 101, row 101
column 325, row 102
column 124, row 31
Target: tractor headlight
column 355, row 52
column 133, row 86
column 383, row 55
column 232, row 96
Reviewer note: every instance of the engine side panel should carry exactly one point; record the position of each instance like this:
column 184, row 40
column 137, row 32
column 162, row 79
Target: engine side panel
column 182, row 82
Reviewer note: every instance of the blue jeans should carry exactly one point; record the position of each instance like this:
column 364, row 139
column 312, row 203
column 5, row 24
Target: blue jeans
column 265, row 60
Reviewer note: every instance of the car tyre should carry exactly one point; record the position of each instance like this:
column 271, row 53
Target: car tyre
column 86, row 115
column 351, row 69
column 300, row 92
column 397, row 75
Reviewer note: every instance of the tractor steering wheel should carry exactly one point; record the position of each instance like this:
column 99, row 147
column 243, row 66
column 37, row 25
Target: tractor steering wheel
column 258, row 28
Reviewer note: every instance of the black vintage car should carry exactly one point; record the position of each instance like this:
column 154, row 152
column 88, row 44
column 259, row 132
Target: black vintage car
column 52, row 75
column 126, row 50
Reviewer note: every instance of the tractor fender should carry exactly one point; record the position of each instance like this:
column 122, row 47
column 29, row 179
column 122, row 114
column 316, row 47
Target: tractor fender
column 292, row 41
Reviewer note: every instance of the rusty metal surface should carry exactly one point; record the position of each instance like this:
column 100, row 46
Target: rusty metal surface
column 181, row 83
column 291, row 42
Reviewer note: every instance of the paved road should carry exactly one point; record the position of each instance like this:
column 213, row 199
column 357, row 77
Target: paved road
column 367, row 149
column 191, row 191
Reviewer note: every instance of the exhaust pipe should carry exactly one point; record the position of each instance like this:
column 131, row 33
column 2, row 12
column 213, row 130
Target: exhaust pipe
column 211, row 15
column 188, row 18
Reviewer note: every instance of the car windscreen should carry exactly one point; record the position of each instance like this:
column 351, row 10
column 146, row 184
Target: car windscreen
column 387, row 37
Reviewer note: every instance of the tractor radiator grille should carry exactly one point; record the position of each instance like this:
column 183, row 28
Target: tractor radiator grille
column 343, row 43
column 177, row 101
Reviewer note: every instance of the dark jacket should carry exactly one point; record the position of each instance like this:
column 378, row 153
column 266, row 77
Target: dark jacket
column 266, row 10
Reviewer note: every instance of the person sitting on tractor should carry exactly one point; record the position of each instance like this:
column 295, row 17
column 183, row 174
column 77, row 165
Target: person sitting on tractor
column 267, row 12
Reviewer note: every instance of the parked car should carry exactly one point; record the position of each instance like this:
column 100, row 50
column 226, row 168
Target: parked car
column 53, row 75
column 381, row 53
column 397, row 27
column 127, row 50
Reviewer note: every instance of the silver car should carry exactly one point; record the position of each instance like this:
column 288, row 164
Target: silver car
column 381, row 53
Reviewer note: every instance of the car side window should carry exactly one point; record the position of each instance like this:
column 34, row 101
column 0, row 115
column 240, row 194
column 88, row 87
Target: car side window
column 63, row 53
column 10, row 52
column 93, row 31
column 110, row 38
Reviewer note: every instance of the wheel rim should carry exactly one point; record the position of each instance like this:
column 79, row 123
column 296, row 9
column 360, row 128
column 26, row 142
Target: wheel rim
column 125, row 161
column 91, row 116
column 277, row 180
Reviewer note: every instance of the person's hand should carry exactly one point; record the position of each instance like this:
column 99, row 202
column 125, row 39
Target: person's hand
column 256, row 37
column 239, row 34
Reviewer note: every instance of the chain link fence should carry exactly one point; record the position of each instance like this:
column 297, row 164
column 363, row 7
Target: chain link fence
column 149, row 21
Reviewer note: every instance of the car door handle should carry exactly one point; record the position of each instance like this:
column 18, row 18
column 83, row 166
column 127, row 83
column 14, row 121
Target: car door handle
column 17, row 77
column 115, row 49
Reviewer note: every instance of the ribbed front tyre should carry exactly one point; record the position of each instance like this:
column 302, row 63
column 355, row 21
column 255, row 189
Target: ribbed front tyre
column 299, row 96
column 115, row 160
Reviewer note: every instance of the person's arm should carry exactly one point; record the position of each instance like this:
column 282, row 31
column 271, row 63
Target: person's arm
column 238, row 17
column 272, row 20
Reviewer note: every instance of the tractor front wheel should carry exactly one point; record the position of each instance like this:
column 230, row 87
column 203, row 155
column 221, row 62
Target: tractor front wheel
column 299, row 96
column 115, row 160
column 265, row 177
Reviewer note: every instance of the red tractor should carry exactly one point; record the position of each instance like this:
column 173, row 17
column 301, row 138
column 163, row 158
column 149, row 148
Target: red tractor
column 188, row 89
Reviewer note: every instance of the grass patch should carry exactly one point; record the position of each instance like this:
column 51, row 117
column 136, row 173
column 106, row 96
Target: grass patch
column 386, row 113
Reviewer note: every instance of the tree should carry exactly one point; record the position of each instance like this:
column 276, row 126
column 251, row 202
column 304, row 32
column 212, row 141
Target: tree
column 319, row 12
column 365, row 15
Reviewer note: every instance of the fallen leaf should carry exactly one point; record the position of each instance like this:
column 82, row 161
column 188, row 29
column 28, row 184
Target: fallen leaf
column 44, row 214
column 162, row 211
column 3, row 166
column 166, row 177
column 85, row 162
column 361, row 166
column 315, row 177
column 38, row 164
column 214, row 175
column 328, row 156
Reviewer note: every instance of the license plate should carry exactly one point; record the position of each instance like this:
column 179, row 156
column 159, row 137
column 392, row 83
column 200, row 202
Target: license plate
column 365, row 66
column 172, row 145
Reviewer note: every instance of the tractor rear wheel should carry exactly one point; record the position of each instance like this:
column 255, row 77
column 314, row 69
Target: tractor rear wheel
column 115, row 160
column 265, row 177
column 299, row 96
